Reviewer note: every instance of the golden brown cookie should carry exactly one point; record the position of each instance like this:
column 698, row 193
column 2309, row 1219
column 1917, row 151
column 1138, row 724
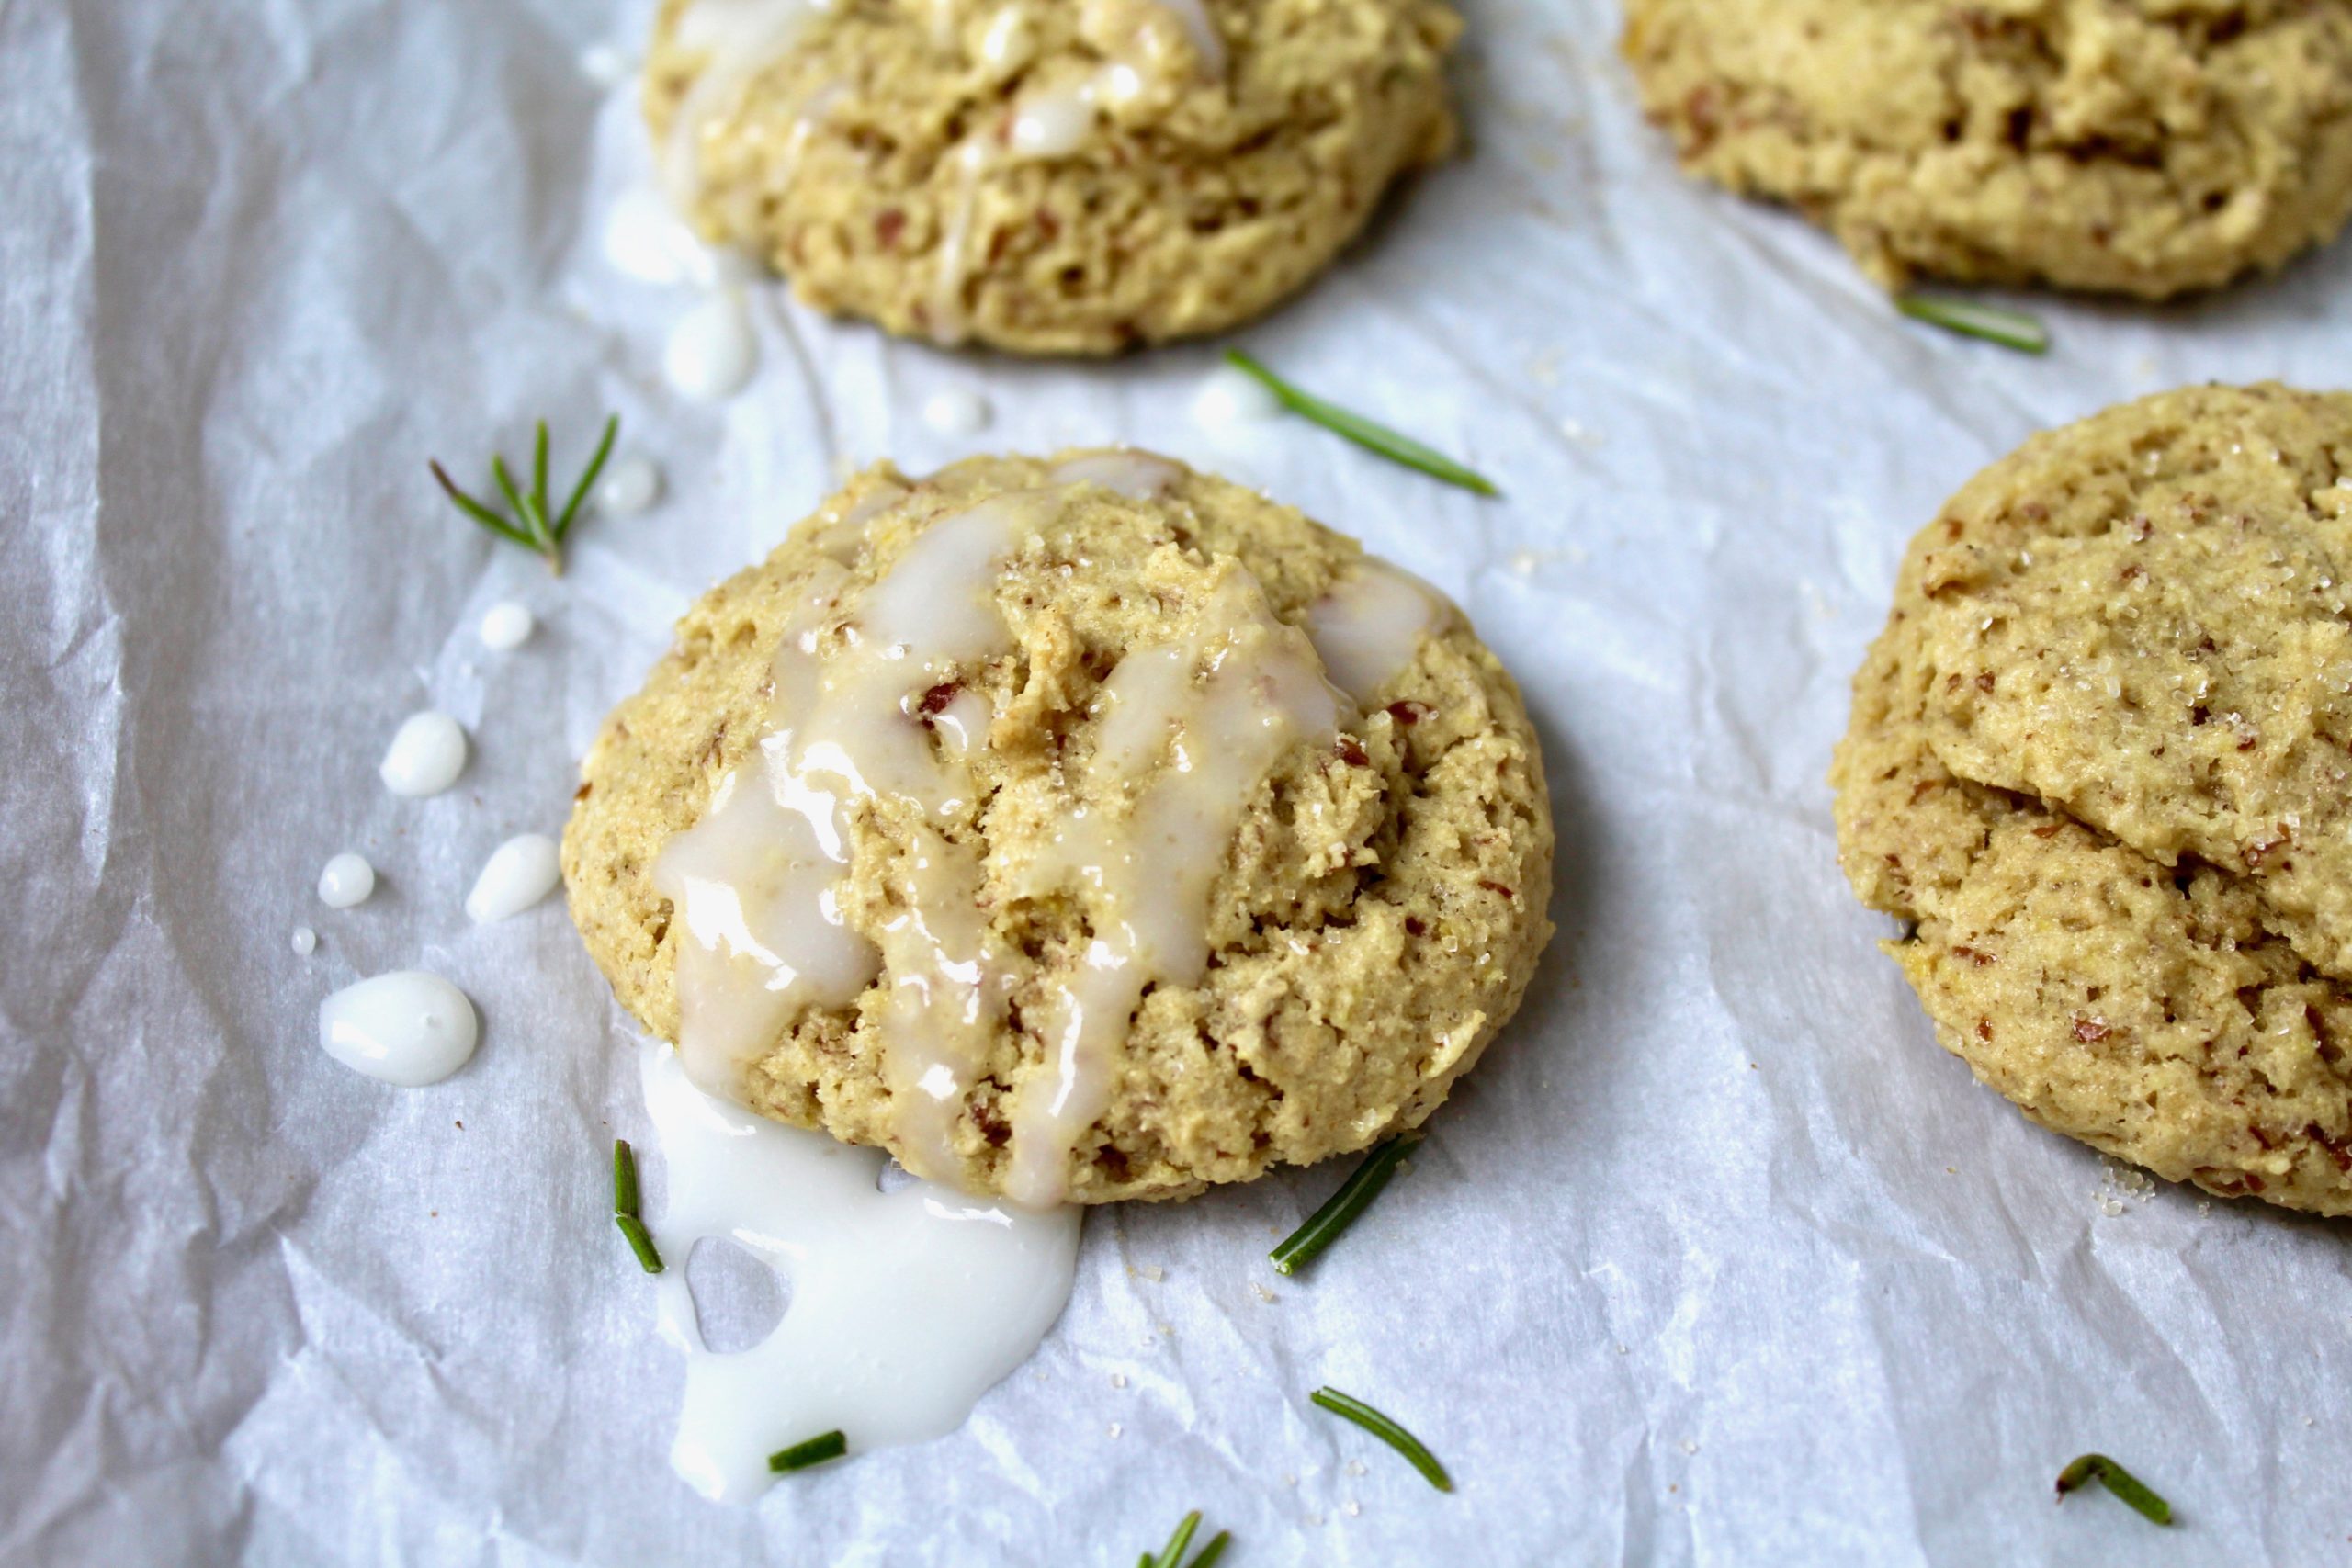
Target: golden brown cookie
column 2098, row 758
column 1115, row 737
column 1049, row 177
column 2144, row 147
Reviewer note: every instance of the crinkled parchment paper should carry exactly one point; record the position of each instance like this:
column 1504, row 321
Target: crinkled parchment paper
column 1717, row 1260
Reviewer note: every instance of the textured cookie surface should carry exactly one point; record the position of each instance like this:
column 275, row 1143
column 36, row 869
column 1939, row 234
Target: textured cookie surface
column 2144, row 147
column 1371, row 918
column 1051, row 177
column 2099, row 757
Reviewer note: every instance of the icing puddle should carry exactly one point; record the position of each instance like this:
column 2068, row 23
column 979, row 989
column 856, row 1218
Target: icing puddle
column 906, row 1306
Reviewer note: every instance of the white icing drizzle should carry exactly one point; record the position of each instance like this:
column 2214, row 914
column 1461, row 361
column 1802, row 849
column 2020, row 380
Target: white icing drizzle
column 757, row 881
column 1214, row 712
column 906, row 1306
column 1369, row 626
column 739, row 39
column 1139, row 476
column 873, row 709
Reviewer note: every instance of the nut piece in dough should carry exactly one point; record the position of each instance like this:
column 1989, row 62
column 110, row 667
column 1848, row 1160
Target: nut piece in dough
column 2099, row 757
column 1365, row 901
column 2142, row 146
column 1047, row 176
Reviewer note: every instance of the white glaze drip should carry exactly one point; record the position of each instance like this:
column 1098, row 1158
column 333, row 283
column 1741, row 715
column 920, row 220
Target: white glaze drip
column 740, row 40
column 712, row 352
column 629, row 486
column 1139, row 476
column 507, row 626
column 906, row 1306
column 1370, row 625
column 958, row 411
column 1186, row 734
column 758, row 881
column 426, row 755
column 347, row 882
column 408, row 1028
column 519, row 872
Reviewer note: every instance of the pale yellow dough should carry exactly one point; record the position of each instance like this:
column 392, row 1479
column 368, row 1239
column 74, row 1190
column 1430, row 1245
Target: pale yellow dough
column 2142, row 147
column 2101, row 757
column 1207, row 192
column 1373, row 924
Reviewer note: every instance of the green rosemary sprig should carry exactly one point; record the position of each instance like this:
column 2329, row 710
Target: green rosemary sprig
column 1364, row 433
column 802, row 1456
column 2118, row 1479
column 1173, row 1555
column 534, row 523
column 1350, row 1407
column 1994, row 323
column 1355, row 1195
column 640, row 1240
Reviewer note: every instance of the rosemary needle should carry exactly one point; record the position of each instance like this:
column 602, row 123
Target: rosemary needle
column 1994, row 323
column 534, row 523
column 1173, row 1555
column 2119, row 1481
column 1349, row 1407
column 801, row 1456
column 1364, row 433
column 625, row 1215
column 1323, row 1227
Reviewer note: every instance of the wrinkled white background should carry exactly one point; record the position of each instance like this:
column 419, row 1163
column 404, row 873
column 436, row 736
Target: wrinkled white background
column 1717, row 1260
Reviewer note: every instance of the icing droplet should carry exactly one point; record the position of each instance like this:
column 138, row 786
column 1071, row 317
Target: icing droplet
column 629, row 486
column 347, row 882
column 408, row 1028
column 519, row 872
column 957, row 412
column 1228, row 397
column 305, row 942
column 712, row 352
column 906, row 1305
column 605, row 64
column 507, row 626
column 426, row 755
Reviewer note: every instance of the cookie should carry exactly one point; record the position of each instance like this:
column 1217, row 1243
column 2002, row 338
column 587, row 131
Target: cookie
column 2141, row 147
column 2099, row 758
column 1082, row 828
column 1074, row 177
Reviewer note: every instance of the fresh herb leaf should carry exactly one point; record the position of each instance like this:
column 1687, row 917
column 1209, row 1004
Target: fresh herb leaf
column 624, row 1178
column 1323, row 1227
column 1173, row 1555
column 1364, row 433
column 2118, row 1479
column 1350, row 1407
column 640, row 1241
column 1994, row 323
column 801, row 1456
column 531, row 521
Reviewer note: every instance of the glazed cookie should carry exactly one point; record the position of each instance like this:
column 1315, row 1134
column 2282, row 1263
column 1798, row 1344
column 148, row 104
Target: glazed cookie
column 2099, row 760
column 1085, row 828
column 1049, row 177
column 2142, row 146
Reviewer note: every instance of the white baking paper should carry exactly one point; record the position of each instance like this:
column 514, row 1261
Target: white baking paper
column 1717, row 1259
